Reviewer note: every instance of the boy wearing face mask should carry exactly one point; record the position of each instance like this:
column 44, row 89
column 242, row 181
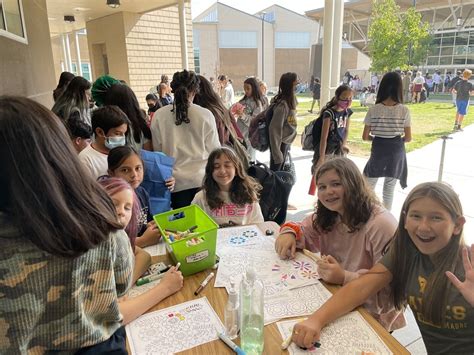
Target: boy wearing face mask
column 110, row 128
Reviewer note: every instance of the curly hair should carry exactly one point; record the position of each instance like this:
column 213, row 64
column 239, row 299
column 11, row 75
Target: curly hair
column 183, row 83
column 244, row 189
column 359, row 199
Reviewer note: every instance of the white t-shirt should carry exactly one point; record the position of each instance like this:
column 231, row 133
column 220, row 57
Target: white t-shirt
column 387, row 121
column 189, row 143
column 230, row 212
column 228, row 95
column 95, row 161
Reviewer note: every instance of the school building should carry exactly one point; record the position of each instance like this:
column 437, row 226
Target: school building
column 451, row 21
column 266, row 44
column 136, row 41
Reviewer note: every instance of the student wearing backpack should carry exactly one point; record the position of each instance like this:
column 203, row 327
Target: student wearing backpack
column 332, row 130
column 282, row 127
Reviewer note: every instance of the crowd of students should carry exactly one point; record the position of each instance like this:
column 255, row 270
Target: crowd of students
column 72, row 225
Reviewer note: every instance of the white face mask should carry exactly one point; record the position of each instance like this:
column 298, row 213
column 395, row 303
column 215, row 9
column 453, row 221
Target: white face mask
column 114, row 142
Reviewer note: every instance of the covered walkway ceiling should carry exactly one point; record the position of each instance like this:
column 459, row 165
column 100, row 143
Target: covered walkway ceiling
column 86, row 10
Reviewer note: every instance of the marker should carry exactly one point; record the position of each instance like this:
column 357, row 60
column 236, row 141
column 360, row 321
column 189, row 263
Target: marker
column 312, row 256
column 287, row 342
column 148, row 279
column 230, row 343
column 153, row 277
column 204, row 283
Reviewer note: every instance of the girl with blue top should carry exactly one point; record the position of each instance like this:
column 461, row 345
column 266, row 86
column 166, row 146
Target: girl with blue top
column 388, row 126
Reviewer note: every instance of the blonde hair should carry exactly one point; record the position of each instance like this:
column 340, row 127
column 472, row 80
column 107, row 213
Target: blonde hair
column 466, row 74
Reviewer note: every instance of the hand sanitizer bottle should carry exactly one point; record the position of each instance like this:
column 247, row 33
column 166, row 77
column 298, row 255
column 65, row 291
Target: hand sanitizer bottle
column 251, row 313
column 231, row 313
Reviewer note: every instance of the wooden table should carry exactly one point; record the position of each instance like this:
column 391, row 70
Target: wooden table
column 218, row 298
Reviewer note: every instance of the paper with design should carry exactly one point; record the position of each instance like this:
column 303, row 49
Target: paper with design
column 174, row 329
column 246, row 236
column 297, row 302
column 156, row 249
column 277, row 275
column 350, row 334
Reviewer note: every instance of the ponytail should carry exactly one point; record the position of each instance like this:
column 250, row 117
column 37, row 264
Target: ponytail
column 183, row 83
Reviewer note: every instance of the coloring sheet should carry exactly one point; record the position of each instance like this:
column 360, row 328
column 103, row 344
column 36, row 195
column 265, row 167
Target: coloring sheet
column 157, row 249
column 246, row 236
column 296, row 302
column 350, row 334
column 174, row 329
column 277, row 275
column 138, row 290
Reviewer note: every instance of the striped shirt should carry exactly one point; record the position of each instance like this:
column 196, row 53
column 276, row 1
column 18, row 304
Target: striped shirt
column 387, row 121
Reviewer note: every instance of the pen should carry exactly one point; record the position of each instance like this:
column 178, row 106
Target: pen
column 204, row 283
column 177, row 266
column 230, row 343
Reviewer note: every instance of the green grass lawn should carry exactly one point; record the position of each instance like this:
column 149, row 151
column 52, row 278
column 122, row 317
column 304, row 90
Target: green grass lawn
column 429, row 121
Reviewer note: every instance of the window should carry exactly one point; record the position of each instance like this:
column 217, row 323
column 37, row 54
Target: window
column 292, row 40
column 197, row 62
column 433, row 61
column 237, row 39
column 11, row 20
column 447, row 51
column 86, row 71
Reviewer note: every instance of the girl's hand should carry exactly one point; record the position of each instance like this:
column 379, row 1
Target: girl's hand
column 172, row 281
column 330, row 270
column 306, row 333
column 467, row 287
column 285, row 246
column 152, row 231
column 170, row 183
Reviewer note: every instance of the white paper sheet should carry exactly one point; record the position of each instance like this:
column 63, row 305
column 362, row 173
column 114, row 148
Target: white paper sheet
column 174, row 329
column 156, row 249
column 277, row 275
column 243, row 237
column 350, row 334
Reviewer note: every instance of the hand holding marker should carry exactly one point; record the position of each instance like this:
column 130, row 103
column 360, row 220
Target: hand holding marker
column 153, row 277
column 204, row 283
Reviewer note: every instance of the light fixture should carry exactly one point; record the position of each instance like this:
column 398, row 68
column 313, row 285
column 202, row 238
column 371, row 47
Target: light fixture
column 69, row 18
column 113, row 3
column 459, row 22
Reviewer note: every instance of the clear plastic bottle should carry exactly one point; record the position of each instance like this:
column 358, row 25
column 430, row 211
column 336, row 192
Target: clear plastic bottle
column 231, row 312
column 251, row 313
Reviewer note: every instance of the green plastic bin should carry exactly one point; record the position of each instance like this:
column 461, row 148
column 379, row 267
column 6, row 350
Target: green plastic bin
column 193, row 258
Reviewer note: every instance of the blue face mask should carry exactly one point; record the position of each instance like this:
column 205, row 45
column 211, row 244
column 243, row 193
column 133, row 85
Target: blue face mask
column 114, row 142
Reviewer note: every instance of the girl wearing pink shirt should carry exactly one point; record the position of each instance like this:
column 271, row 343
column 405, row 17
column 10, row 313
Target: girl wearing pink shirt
column 351, row 230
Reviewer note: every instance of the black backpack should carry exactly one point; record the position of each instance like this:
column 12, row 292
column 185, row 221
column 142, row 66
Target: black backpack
column 311, row 136
column 276, row 188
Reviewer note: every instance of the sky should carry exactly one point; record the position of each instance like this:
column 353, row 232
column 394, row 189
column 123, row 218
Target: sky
column 253, row 6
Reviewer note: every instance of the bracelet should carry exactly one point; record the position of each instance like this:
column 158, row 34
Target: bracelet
column 294, row 227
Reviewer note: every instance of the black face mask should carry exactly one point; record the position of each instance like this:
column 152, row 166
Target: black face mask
column 151, row 106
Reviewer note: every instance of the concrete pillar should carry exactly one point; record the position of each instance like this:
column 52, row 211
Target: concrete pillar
column 68, row 52
column 65, row 66
column 182, row 33
column 78, row 55
column 336, row 45
column 327, row 51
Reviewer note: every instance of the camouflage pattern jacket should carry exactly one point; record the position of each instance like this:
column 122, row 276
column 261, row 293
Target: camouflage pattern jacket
column 63, row 304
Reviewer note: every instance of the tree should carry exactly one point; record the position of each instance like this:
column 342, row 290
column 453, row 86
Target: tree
column 396, row 40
